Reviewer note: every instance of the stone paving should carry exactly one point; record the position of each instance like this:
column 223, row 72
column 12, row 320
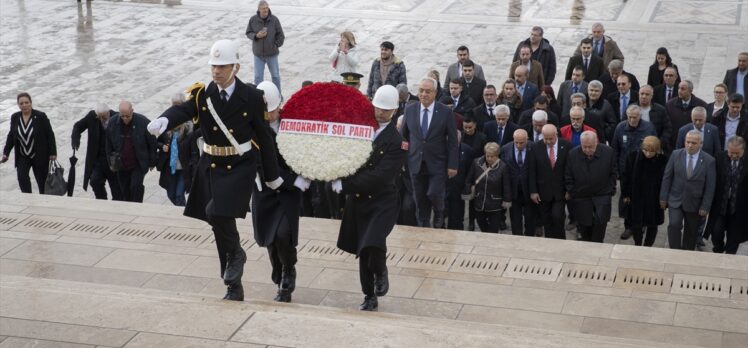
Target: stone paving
column 122, row 275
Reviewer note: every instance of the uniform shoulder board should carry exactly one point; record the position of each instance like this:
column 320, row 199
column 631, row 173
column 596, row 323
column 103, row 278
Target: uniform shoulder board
column 193, row 93
column 397, row 60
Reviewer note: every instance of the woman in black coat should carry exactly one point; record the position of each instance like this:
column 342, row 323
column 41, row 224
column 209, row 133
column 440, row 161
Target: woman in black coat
column 657, row 69
column 640, row 187
column 34, row 141
column 488, row 185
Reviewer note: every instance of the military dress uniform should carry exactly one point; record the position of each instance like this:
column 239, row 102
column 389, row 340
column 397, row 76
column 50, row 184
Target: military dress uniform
column 371, row 210
column 275, row 218
column 223, row 182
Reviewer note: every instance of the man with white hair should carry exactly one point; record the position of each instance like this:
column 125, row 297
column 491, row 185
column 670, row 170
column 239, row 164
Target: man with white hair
column 96, row 170
column 535, row 128
column 687, row 191
column 431, row 133
column 547, row 167
column 591, row 173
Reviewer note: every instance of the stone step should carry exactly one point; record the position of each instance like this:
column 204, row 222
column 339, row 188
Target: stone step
column 58, row 310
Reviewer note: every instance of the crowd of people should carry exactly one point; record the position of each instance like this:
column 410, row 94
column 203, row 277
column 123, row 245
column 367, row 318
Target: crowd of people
column 479, row 149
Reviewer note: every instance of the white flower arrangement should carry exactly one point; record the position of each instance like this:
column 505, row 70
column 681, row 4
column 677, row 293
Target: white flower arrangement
column 320, row 157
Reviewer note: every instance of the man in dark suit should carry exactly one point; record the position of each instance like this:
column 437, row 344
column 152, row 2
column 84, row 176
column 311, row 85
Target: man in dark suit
column 405, row 98
column 454, row 71
column 547, row 167
column 623, row 97
column 455, row 203
column 430, row 131
column 515, row 155
column 668, row 89
column 657, row 116
column 679, row 108
column 709, row 132
column 477, row 141
column 461, row 104
column 738, row 77
column 275, row 213
column 730, row 198
column 540, row 103
column 575, row 85
column 221, row 188
column 371, row 207
column 472, row 86
column 687, row 190
column 97, row 168
column 534, row 129
column 732, row 120
column 590, row 183
column 610, row 78
column 487, row 111
column 500, row 130
column 528, row 90
column 592, row 63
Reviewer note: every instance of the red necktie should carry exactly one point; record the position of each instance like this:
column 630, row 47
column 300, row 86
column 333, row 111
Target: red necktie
column 552, row 156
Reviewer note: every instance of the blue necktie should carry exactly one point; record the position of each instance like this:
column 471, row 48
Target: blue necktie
column 520, row 161
column 624, row 105
column 425, row 123
column 574, row 89
column 598, row 48
column 501, row 134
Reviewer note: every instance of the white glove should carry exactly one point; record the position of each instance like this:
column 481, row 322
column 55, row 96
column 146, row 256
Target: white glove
column 302, row 183
column 158, row 126
column 337, row 186
column 506, row 205
column 275, row 183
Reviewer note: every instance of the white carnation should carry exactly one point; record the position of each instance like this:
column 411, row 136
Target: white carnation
column 324, row 158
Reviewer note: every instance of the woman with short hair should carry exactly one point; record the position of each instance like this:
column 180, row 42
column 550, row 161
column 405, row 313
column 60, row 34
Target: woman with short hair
column 640, row 188
column 489, row 187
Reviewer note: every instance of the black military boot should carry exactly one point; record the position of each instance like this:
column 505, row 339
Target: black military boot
column 370, row 304
column 235, row 292
column 288, row 279
column 381, row 284
column 282, row 296
column 234, row 267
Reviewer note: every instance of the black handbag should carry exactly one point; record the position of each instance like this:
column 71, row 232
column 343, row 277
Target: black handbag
column 55, row 183
column 115, row 162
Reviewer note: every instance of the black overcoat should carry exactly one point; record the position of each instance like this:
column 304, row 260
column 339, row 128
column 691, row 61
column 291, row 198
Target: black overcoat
column 641, row 182
column 591, row 184
column 94, row 150
column 222, row 186
column 371, row 207
column 270, row 207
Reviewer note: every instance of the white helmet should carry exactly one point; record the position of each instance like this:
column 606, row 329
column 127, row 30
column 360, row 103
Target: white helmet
column 272, row 95
column 224, row 52
column 386, row 98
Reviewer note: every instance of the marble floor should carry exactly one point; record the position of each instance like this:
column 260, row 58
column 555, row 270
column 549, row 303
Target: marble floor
column 70, row 56
column 78, row 273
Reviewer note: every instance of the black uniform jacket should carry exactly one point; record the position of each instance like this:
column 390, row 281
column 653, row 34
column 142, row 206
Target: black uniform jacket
column 271, row 207
column 222, row 186
column 92, row 124
column 371, row 207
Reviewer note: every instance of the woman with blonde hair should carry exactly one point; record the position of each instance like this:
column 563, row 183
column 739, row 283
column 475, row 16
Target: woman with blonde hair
column 344, row 57
column 488, row 185
column 640, row 188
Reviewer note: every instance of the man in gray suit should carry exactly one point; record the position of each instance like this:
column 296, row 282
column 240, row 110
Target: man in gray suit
column 687, row 189
column 709, row 132
column 431, row 134
column 575, row 85
column 455, row 69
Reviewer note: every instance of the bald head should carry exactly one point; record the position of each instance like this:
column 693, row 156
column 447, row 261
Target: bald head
column 588, row 141
column 520, row 139
column 550, row 134
column 125, row 111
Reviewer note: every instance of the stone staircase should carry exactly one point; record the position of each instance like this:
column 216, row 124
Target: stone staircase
column 82, row 273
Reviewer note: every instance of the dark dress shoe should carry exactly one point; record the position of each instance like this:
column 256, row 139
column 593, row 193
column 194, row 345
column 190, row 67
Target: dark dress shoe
column 234, row 267
column 626, row 234
column 288, row 280
column 502, row 225
column 471, row 227
column 538, row 231
column 234, row 293
column 370, row 303
column 282, row 296
column 381, row 284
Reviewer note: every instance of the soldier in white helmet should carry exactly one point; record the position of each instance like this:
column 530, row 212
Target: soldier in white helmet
column 275, row 213
column 230, row 115
column 371, row 207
